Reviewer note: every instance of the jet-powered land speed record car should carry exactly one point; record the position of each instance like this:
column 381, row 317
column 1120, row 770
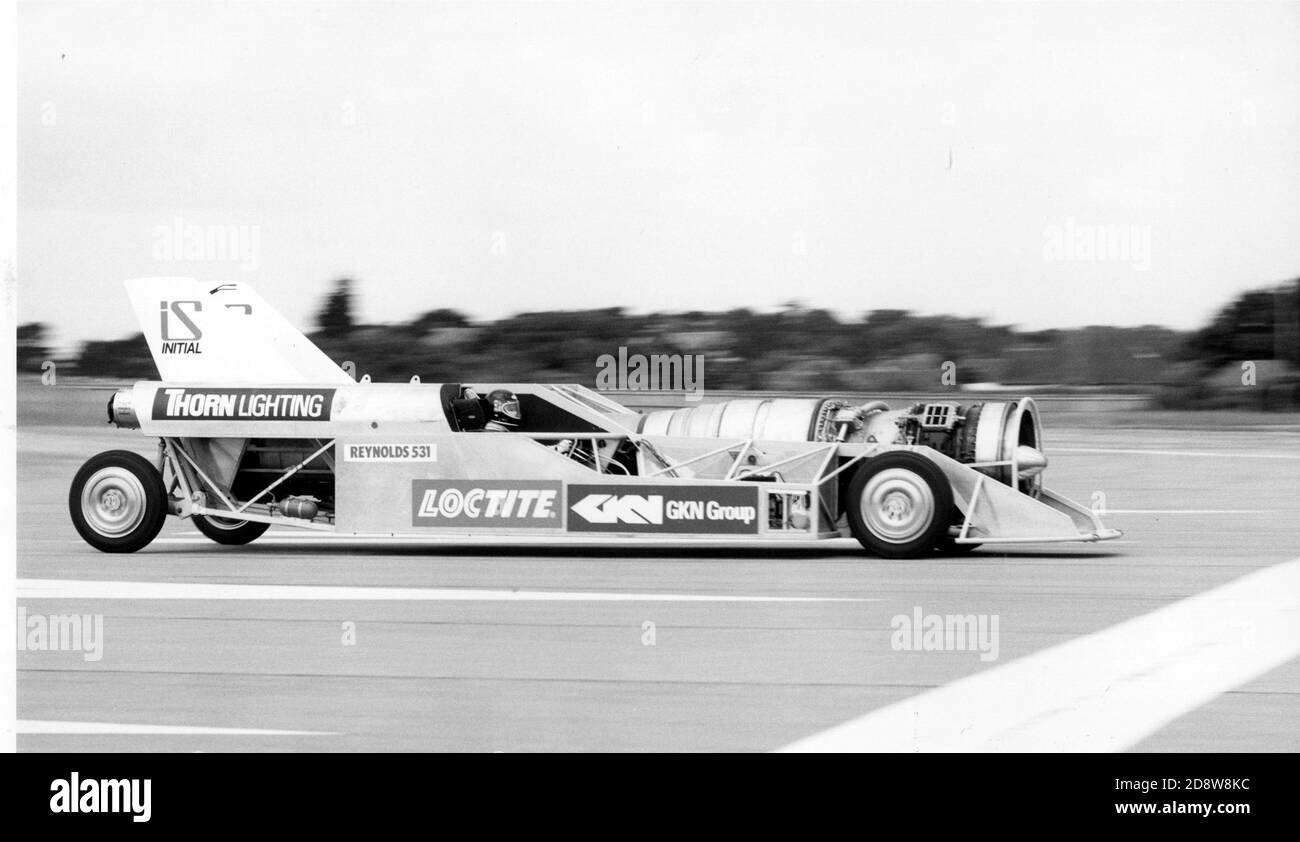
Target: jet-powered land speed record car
column 256, row 427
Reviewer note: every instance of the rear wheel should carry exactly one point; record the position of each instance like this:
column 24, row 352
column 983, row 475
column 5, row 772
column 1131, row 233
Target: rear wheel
column 118, row 502
column 225, row 530
column 899, row 505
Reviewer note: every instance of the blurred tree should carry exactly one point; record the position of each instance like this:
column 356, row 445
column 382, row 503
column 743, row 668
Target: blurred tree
column 442, row 317
column 120, row 358
column 335, row 317
column 32, row 350
column 1257, row 325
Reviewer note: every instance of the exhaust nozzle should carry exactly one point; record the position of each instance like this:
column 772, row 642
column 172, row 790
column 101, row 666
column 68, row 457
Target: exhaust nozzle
column 121, row 409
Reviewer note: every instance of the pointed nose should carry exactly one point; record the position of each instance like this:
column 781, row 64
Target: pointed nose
column 1029, row 461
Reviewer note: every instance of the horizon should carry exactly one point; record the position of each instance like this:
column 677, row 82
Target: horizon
column 312, row 326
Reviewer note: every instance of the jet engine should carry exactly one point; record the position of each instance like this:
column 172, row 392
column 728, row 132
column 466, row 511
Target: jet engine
column 1002, row 439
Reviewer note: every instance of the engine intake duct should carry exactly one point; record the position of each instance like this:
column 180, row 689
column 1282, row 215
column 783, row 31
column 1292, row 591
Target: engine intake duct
column 1004, row 439
column 773, row 419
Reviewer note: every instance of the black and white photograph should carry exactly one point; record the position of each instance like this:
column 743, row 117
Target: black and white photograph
column 654, row 377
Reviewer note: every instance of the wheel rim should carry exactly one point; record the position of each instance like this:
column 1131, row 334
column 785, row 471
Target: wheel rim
column 113, row 502
column 897, row 505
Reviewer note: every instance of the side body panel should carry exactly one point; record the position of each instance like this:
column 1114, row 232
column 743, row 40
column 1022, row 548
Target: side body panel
column 503, row 484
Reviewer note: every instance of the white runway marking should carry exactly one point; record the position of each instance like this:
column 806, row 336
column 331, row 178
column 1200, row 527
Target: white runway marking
column 1103, row 692
column 83, row 589
column 1195, row 454
column 47, row 726
column 1187, row 512
column 460, row 540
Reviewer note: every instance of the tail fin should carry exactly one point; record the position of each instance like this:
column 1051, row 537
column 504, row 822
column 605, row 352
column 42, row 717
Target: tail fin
column 205, row 333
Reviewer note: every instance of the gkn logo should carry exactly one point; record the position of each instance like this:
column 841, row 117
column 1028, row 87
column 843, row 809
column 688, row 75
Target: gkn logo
column 621, row 508
column 664, row 509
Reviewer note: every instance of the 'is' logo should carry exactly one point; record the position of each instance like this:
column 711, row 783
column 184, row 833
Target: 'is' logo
column 171, row 330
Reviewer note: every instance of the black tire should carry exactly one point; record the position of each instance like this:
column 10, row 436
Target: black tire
column 229, row 531
column 914, row 505
column 947, row 546
column 118, row 502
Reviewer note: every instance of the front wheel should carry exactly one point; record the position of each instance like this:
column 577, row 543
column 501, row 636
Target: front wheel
column 899, row 505
column 228, row 531
column 118, row 502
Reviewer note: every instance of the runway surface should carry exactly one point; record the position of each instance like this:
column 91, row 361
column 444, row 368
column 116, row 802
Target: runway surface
column 304, row 643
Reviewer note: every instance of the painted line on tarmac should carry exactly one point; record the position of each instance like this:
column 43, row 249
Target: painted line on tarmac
column 49, row 726
column 84, row 589
column 512, row 540
column 1105, row 691
column 1188, row 512
column 1233, row 454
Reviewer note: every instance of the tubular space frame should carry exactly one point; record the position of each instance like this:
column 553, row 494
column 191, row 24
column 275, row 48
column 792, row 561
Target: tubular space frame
column 963, row 537
column 185, row 464
column 181, row 470
column 827, row 452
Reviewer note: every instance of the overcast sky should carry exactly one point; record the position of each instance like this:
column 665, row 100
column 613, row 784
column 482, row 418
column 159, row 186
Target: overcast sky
column 495, row 158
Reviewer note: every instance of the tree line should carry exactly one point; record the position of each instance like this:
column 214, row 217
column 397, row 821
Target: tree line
column 794, row 347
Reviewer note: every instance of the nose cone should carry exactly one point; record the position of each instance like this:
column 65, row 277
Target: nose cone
column 1029, row 461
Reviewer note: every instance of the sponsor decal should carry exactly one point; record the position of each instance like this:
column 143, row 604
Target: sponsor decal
column 730, row 510
column 460, row 503
column 176, row 326
column 403, row 452
column 200, row 404
column 180, row 335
